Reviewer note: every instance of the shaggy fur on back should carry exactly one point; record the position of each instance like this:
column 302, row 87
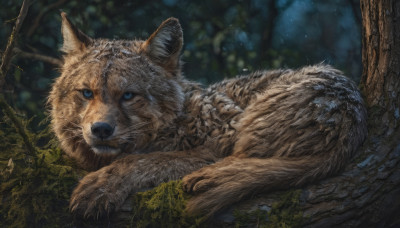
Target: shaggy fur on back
column 123, row 109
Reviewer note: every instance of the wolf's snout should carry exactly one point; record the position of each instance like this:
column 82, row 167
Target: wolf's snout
column 102, row 130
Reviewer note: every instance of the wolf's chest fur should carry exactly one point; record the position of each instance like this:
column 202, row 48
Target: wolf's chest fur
column 259, row 132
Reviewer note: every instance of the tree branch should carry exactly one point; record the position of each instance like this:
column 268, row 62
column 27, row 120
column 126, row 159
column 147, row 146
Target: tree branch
column 7, row 55
column 29, row 55
column 36, row 22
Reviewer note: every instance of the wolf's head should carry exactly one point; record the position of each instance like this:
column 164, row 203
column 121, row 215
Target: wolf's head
column 114, row 95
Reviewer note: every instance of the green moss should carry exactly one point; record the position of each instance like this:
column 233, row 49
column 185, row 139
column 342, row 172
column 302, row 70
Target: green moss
column 163, row 206
column 35, row 183
column 243, row 219
column 284, row 213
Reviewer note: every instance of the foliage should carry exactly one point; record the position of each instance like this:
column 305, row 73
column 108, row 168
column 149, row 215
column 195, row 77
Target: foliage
column 284, row 213
column 35, row 187
column 163, row 206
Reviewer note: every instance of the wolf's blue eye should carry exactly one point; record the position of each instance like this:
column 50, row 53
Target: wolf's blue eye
column 88, row 94
column 127, row 96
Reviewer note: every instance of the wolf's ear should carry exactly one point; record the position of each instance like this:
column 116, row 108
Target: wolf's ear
column 74, row 39
column 165, row 44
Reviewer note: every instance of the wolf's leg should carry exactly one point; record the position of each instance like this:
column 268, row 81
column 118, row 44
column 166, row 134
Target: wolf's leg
column 104, row 191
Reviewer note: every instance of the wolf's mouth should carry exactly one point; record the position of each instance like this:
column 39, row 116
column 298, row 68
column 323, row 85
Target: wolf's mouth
column 105, row 150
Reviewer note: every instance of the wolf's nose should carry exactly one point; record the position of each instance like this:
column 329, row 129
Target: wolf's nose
column 102, row 130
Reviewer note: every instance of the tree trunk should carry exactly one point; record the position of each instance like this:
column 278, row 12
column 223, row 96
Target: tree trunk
column 381, row 50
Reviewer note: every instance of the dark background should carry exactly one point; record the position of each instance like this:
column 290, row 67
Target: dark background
column 222, row 38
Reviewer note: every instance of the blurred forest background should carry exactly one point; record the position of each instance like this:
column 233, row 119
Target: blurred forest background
column 222, row 38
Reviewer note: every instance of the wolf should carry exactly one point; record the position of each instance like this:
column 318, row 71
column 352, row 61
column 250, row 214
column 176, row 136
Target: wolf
column 123, row 110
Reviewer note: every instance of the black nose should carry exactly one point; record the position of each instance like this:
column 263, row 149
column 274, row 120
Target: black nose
column 102, row 130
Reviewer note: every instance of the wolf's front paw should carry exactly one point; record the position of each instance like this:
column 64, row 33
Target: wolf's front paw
column 199, row 181
column 96, row 196
column 210, row 188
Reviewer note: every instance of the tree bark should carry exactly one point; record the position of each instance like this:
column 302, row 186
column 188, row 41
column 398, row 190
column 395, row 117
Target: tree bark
column 381, row 50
